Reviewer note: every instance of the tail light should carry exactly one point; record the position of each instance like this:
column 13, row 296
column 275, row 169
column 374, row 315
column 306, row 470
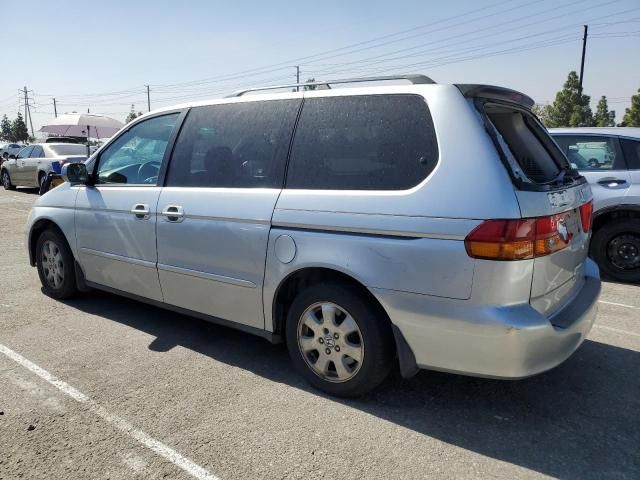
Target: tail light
column 523, row 238
column 586, row 214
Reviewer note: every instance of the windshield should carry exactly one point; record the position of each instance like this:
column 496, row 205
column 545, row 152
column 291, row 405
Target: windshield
column 69, row 149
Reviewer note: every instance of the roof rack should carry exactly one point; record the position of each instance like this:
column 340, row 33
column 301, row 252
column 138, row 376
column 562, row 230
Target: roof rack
column 413, row 79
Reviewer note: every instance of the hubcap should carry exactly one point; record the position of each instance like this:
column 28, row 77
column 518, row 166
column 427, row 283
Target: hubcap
column 52, row 265
column 330, row 342
column 624, row 251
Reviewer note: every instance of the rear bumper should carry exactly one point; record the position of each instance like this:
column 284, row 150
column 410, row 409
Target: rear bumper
column 508, row 342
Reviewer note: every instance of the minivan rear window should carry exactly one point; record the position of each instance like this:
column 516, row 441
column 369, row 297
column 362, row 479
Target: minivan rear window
column 367, row 142
column 525, row 141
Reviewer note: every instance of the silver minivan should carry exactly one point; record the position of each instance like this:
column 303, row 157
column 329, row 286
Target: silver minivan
column 370, row 228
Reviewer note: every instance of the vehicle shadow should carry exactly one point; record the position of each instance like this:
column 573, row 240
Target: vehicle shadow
column 580, row 420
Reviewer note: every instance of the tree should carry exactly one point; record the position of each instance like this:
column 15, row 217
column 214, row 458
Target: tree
column 6, row 133
column 632, row 115
column 19, row 129
column 542, row 112
column 604, row 117
column 571, row 107
column 132, row 114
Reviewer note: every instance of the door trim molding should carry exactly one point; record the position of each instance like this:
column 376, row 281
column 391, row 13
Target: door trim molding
column 119, row 258
column 207, row 276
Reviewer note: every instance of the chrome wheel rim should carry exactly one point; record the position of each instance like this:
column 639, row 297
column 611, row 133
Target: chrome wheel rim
column 330, row 342
column 5, row 179
column 52, row 264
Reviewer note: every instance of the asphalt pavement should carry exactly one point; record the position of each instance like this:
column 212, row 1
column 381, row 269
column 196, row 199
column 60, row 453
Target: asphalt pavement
column 108, row 388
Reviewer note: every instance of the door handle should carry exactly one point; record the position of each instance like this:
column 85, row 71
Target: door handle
column 611, row 182
column 141, row 211
column 174, row 213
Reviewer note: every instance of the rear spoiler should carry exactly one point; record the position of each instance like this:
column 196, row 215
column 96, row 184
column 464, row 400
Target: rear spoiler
column 496, row 93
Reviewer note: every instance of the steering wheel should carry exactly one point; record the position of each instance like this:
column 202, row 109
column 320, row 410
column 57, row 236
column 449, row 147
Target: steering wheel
column 152, row 169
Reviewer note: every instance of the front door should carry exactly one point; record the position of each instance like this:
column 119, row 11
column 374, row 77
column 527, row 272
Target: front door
column 18, row 172
column 115, row 219
column 214, row 213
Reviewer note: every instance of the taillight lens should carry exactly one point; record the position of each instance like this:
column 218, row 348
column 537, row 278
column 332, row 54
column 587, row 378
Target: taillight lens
column 586, row 214
column 524, row 238
column 501, row 240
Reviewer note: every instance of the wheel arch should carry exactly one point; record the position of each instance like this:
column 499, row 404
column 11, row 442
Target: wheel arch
column 602, row 217
column 299, row 279
column 36, row 229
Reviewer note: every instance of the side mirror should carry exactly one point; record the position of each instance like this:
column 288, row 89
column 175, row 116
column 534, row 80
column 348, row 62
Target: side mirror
column 12, row 157
column 75, row 173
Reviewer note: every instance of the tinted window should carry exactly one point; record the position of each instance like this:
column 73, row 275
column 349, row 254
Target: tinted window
column 69, row 149
column 135, row 156
column 591, row 152
column 240, row 145
column 25, row 152
column 372, row 142
column 631, row 149
column 37, row 152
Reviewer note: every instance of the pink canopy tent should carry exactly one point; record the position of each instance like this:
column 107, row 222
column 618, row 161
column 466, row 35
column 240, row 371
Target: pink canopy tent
column 83, row 125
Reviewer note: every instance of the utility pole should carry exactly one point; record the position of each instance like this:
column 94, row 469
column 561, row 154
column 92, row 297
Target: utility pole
column 297, row 77
column 27, row 110
column 148, row 99
column 55, row 110
column 584, row 51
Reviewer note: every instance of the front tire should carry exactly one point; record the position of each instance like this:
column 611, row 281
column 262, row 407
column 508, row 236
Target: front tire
column 339, row 340
column 55, row 264
column 6, row 181
column 616, row 249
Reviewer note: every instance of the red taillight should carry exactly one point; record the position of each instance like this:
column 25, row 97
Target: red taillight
column 522, row 239
column 586, row 213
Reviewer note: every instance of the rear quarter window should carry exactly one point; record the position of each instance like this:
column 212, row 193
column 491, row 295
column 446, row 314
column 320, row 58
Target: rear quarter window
column 631, row 149
column 369, row 142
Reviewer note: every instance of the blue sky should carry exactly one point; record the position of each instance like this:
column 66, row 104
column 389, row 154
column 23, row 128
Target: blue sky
column 100, row 54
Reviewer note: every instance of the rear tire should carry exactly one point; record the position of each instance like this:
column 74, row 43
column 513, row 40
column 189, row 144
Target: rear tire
column 338, row 340
column 616, row 249
column 6, row 181
column 41, row 178
column 55, row 265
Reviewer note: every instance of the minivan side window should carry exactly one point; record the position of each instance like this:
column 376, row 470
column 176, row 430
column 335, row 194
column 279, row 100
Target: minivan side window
column 241, row 145
column 135, row 157
column 591, row 152
column 631, row 149
column 366, row 142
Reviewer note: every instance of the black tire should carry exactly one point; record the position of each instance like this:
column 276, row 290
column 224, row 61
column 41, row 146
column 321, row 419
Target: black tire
column 55, row 268
column 6, row 181
column 374, row 339
column 616, row 249
column 41, row 178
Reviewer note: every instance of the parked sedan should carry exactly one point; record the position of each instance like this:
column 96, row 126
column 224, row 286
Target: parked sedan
column 610, row 160
column 9, row 149
column 33, row 163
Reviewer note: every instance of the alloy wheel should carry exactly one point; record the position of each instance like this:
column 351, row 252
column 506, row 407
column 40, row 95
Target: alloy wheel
column 330, row 342
column 52, row 264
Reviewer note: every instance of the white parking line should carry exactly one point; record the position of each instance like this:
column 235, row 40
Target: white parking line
column 151, row 443
column 619, row 304
column 618, row 330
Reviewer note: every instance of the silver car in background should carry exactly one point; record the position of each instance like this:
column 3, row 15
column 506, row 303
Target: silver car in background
column 610, row 159
column 421, row 226
column 32, row 164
